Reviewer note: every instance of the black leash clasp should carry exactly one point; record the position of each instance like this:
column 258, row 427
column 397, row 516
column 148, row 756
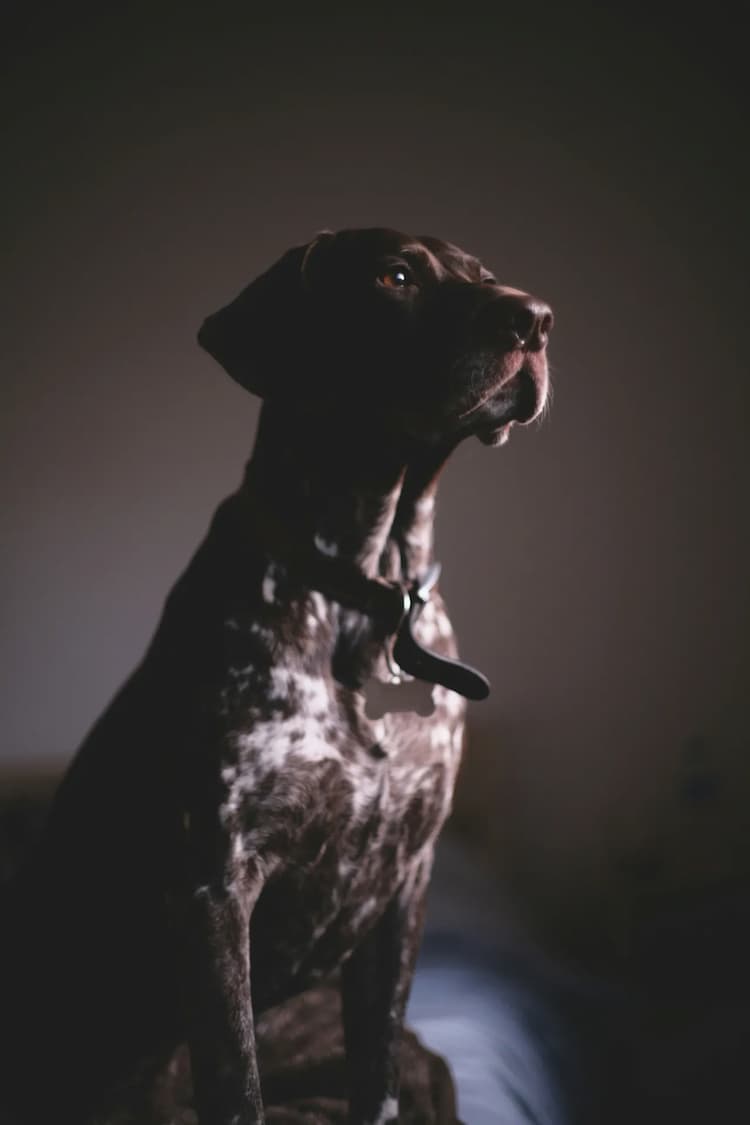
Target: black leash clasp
column 416, row 660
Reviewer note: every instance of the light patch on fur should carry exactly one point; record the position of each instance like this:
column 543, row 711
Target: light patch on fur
column 319, row 604
column 262, row 632
column 443, row 624
column 326, row 547
column 427, row 628
column 229, row 774
column 309, row 693
column 320, row 929
column 366, row 910
column 366, row 787
column 271, row 743
column 239, row 851
column 268, row 589
column 241, row 674
column 454, row 704
column 387, row 1113
column 440, row 737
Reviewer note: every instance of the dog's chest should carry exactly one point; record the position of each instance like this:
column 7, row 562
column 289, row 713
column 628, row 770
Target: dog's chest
column 336, row 806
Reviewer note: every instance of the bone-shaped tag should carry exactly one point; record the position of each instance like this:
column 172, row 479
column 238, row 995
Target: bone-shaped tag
column 409, row 695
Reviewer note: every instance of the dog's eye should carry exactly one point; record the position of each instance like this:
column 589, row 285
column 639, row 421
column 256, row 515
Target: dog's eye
column 396, row 278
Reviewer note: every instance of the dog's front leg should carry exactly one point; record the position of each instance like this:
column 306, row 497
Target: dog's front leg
column 375, row 988
column 219, row 1007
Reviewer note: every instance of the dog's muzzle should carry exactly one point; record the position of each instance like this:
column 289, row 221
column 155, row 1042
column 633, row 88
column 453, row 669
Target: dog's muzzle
column 515, row 327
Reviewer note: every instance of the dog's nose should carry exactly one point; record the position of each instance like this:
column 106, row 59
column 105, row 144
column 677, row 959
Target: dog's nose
column 527, row 318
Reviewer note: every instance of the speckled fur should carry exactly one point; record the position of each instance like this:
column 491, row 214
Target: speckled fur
column 235, row 827
column 348, row 803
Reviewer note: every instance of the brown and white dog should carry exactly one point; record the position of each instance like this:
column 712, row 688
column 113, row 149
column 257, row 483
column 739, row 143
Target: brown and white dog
column 238, row 824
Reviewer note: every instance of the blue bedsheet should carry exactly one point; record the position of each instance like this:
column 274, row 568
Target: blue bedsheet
column 528, row 1043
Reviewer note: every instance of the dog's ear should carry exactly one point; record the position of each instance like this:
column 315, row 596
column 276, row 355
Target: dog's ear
column 256, row 338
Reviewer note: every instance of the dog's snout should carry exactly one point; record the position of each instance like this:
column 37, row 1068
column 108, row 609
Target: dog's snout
column 527, row 318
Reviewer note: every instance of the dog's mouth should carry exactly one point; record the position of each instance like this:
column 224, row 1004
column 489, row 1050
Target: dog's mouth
column 518, row 400
column 495, row 435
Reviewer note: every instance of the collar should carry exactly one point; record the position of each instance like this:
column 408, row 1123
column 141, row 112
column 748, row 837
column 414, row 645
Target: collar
column 394, row 607
column 418, row 661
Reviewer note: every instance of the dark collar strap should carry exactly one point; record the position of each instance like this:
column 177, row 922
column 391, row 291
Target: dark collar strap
column 396, row 609
column 393, row 607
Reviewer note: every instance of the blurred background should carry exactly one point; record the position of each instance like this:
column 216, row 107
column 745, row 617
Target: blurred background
column 158, row 157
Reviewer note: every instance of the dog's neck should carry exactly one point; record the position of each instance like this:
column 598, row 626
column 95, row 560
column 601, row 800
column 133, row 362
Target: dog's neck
column 346, row 510
column 349, row 493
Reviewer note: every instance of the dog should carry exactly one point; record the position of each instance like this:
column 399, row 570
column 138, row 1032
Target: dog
column 239, row 824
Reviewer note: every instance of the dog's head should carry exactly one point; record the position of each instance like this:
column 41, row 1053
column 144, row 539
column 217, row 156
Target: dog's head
column 410, row 335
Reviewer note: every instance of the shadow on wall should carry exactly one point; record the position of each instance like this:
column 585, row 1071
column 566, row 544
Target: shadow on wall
column 638, row 865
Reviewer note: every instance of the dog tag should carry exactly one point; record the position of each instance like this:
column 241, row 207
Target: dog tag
column 401, row 695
